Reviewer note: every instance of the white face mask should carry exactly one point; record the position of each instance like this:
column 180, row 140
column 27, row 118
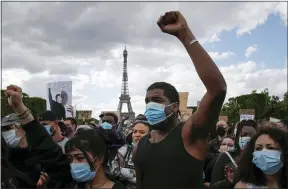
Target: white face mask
column 11, row 139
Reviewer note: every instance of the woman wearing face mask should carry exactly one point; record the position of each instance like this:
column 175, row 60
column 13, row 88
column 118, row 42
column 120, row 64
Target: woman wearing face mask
column 122, row 166
column 88, row 156
column 226, row 159
column 264, row 161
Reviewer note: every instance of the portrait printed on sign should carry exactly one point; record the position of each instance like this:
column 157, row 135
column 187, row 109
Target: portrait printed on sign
column 60, row 98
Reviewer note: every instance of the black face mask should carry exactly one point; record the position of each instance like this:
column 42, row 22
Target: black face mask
column 221, row 131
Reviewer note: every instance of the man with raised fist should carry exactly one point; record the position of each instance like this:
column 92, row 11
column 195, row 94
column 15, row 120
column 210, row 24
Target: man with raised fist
column 172, row 156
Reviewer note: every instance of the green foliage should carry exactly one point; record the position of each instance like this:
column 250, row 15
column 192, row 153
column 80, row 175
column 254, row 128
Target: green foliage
column 194, row 108
column 82, row 122
column 265, row 106
column 35, row 104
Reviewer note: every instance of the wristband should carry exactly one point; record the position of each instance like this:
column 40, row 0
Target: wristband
column 193, row 41
column 21, row 115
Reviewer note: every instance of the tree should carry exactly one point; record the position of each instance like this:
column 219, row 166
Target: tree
column 265, row 106
column 35, row 104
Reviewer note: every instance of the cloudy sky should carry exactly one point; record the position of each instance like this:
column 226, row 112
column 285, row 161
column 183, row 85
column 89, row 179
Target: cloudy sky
column 84, row 42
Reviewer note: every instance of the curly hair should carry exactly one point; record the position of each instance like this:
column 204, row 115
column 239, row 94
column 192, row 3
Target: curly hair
column 250, row 173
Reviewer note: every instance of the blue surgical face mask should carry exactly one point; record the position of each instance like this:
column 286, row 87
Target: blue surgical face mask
column 243, row 141
column 81, row 172
column 48, row 129
column 155, row 113
column 106, row 125
column 269, row 161
column 11, row 139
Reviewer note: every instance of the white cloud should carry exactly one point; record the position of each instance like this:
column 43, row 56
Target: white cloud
column 214, row 38
column 85, row 44
column 250, row 50
column 281, row 9
column 221, row 56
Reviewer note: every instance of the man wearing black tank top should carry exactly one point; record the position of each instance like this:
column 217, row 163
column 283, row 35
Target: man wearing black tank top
column 172, row 155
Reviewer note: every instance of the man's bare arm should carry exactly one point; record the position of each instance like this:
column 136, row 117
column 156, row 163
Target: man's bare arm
column 202, row 122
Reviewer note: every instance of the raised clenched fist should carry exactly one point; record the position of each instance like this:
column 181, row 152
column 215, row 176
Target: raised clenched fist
column 14, row 94
column 173, row 23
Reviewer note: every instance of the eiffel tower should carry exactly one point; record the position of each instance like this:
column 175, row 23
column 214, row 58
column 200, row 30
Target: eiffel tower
column 125, row 97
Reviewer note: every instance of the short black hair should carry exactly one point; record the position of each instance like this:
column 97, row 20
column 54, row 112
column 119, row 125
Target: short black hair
column 115, row 117
column 250, row 173
column 169, row 90
column 230, row 132
column 73, row 120
column 231, row 137
column 141, row 119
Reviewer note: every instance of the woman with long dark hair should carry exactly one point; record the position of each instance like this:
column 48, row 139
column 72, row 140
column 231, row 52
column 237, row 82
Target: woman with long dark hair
column 264, row 162
column 88, row 154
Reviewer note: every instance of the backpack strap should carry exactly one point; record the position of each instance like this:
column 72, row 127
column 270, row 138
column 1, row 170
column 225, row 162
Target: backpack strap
column 128, row 152
column 232, row 160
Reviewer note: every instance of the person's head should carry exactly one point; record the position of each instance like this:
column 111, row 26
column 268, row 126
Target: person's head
column 12, row 132
column 162, row 106
column 49, row 120
column 221, row 129
column 140, row 128
column 230, row 131
column 87, row 153
column 58, row 98
column 266, row 155
column 108, row 120
column 227, row 144
column 283, row 125
column 245, row 130
column 71, row 125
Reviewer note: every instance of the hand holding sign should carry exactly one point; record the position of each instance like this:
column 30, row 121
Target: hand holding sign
column 70, row 109
column 246, row 117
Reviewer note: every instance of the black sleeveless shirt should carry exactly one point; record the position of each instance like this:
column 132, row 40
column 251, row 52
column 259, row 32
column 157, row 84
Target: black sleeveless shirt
column 167, row 164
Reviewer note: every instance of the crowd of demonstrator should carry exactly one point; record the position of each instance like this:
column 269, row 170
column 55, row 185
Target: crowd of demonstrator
column 160, row 152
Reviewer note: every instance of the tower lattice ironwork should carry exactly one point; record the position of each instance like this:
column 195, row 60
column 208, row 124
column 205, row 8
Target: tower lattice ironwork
column 125, row 97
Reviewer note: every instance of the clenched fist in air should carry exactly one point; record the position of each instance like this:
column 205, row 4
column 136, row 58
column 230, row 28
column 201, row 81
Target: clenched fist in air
column 173, row 23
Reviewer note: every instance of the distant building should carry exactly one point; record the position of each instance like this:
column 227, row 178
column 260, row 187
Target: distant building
column 114, row 112
column 185, row 112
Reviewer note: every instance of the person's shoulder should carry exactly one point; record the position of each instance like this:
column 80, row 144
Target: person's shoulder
column 212, row 141
column 240, row 185
column 118, row 185
column 223, row 156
